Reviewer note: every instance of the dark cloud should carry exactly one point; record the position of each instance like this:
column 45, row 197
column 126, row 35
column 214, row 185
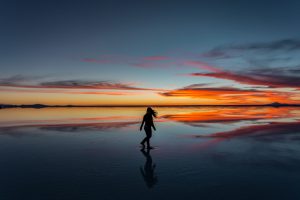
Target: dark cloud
column 264, row 55
column 292, row 71
column 286, row 44
column 265, row 61
column 17, row 79
column 20, row 81
column 81, row 84
column 196, row 86
column 264, row 77
column 216, row 54
column 295, row 71
column 278, row 45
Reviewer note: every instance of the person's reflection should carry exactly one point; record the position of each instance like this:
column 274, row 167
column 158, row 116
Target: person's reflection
column 148, row 170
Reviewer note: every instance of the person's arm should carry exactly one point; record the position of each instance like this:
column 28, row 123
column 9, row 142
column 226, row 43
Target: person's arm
column 142, row 123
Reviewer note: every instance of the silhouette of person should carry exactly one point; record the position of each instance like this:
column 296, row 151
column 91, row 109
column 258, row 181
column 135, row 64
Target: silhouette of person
column 148, row 121
column 148, row 170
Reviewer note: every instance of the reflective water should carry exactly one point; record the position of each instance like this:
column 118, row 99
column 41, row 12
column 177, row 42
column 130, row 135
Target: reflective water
column 200, row 153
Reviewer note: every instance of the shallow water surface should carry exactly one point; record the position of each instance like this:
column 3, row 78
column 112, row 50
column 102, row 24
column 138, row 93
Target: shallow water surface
column 200, row 152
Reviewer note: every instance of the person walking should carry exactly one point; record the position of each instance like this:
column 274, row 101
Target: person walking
column 148, row 125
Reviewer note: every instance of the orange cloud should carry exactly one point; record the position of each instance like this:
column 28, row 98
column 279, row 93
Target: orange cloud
column 230, row 95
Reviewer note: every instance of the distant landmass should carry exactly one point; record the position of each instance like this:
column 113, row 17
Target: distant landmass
column 23, row 106
column 276, row 104
column 39, row 106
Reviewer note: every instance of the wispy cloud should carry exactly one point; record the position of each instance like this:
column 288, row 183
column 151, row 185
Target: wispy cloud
column 283, row 131
column 26, row 84
column 277, row 45
column 216, row 53
column 154, row 65
column 18, row 79
column 157, row 61
column 201, row 65
column 53, row 91
column 156, row 58
column 285, row 44
column 82, row 84
column 248, row 52
column 276, row 56
column 273, row 128
column 149, row 62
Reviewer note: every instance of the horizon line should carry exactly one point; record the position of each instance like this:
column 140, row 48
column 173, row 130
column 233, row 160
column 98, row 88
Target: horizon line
column 274, row 104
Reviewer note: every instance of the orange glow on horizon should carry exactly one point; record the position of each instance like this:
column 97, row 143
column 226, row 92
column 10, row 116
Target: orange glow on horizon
column 210, row 96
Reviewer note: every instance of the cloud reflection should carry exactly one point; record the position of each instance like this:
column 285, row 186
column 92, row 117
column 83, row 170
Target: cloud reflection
column 229, row 115
column 64, row 128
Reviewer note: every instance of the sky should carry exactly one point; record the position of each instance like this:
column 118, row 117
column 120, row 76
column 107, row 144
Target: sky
column 142, row 52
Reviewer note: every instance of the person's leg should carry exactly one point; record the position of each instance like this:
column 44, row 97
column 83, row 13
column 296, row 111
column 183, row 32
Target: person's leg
column 149, row 134
column 148, row 141
column 146, row 138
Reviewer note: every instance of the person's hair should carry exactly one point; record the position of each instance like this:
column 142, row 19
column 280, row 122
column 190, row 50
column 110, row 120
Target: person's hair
column 152, row 112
